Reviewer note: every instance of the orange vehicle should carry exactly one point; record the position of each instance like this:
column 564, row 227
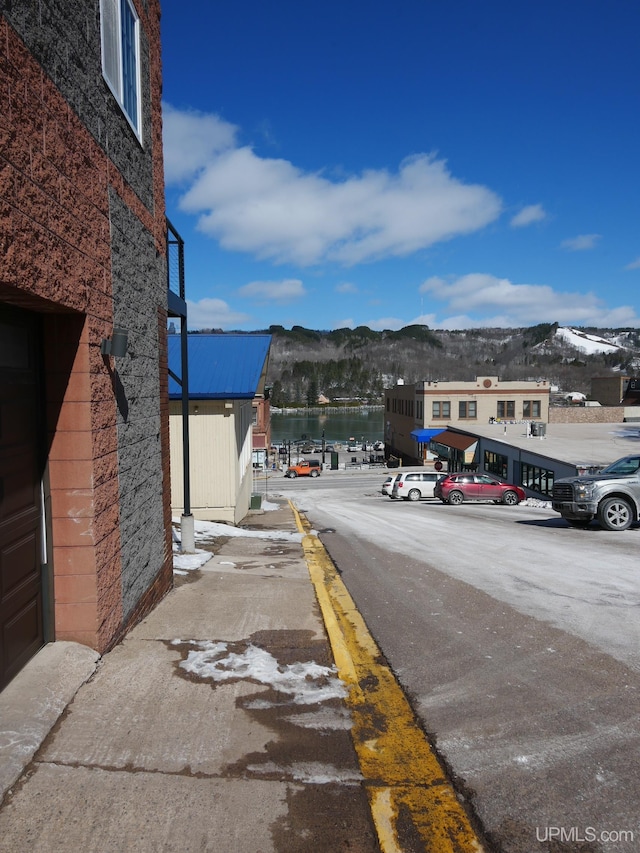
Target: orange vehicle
column 304, row 468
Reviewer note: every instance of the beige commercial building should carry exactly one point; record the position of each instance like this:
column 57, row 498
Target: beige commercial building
column 415, row 413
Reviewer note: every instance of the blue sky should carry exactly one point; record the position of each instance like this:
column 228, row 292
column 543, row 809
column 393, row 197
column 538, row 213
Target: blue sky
column 455, row 163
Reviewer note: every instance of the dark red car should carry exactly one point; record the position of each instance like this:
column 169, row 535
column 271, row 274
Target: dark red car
column 457, row 488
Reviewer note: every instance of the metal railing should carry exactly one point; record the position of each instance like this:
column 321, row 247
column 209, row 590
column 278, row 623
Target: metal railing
column 175, row 261
column 177, row 307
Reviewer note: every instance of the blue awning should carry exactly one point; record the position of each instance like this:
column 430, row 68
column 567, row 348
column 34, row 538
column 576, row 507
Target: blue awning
column 424, row 436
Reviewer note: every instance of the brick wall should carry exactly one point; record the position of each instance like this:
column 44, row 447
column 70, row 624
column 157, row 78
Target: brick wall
column 82, row 230
column 139, row 287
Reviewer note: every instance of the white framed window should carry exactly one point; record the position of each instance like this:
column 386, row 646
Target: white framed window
column 120, row 29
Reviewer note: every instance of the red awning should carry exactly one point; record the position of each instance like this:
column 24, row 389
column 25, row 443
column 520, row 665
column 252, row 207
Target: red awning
column 457, row 440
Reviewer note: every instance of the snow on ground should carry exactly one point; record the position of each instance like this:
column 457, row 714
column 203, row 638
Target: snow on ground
column 268, row 506
column 205, row 531
column 185, row 563
column 303, row 684
column 536, row 502
column 306, row 683
column 586, row 343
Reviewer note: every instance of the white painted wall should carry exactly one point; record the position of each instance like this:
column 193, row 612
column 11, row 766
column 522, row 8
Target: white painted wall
column 220, row 459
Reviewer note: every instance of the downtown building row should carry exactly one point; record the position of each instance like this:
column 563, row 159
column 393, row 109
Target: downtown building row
column 511, row 429
column 415, row 414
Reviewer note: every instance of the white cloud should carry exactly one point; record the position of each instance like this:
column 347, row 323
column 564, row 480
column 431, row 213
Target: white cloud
column 274, row 210
column 424, row 320
column 479, row 300
column 345, row 324
column 213, row 314
column 286, row 290
column 528, row 215
column 392, row 323
column 634, row 265
column 190, row 140
column 346, row 287
column 581, row 243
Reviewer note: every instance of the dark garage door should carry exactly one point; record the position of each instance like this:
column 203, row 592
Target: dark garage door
column 20, row 499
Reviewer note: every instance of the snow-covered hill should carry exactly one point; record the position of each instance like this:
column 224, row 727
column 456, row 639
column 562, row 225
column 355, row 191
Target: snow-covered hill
column 586, row 343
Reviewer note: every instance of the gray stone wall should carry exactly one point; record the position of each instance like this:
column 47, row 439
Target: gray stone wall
column 139, row 288
column 64, row 38
column 586, row 414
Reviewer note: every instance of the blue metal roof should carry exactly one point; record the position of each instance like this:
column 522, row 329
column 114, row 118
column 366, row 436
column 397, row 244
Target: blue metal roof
column 221, row 367
column 424, row 436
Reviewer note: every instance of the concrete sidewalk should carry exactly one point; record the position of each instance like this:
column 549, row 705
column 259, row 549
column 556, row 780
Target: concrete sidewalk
column 218, row 724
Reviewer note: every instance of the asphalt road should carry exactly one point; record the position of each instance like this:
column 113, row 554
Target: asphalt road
column 517, row 640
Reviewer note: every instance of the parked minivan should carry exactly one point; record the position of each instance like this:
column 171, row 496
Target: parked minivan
column 414, row 485
column 387, row 486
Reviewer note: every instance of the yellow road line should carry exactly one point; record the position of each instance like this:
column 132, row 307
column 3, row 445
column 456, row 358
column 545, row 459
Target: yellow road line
column 409, row 794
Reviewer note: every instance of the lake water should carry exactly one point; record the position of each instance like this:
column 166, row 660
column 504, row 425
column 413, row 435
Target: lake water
column 337, row 427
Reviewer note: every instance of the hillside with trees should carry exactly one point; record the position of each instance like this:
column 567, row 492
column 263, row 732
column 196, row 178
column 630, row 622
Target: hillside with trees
column 357, row 364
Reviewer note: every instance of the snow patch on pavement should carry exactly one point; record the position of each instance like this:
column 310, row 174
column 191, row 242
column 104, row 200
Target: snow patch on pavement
column 206, row 531
column 306, row 683
column 268, row 506
column 185, row 563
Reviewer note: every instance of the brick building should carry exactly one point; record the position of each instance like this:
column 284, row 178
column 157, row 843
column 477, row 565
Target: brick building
column 85, row 537
column 616, row 390
column 261, row 429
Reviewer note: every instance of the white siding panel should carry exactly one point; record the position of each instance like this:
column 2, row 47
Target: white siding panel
column 245, row 458
column 220, row 459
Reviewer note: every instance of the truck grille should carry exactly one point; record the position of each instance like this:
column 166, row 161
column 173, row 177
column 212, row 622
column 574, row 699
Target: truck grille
column 562, row 492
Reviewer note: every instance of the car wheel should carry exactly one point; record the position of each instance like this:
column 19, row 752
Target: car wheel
column 510, row 498
column 315, row 473
column 293, row 475
column 578, row 522
column 414, row 495
column 456, row 498
column 615, row 514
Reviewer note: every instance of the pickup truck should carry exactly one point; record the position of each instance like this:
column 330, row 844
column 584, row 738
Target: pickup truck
column 304, row 468
column 612, row 496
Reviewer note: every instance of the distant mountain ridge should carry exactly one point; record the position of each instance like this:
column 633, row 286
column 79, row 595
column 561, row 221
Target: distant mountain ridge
column 360, row 362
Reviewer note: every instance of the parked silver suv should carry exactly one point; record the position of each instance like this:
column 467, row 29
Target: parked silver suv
column 413, row 485
column 613, row 496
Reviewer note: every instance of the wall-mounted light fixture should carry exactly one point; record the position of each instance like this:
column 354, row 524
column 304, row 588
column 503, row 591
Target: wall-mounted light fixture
column 117, row 344
column 195, row 410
